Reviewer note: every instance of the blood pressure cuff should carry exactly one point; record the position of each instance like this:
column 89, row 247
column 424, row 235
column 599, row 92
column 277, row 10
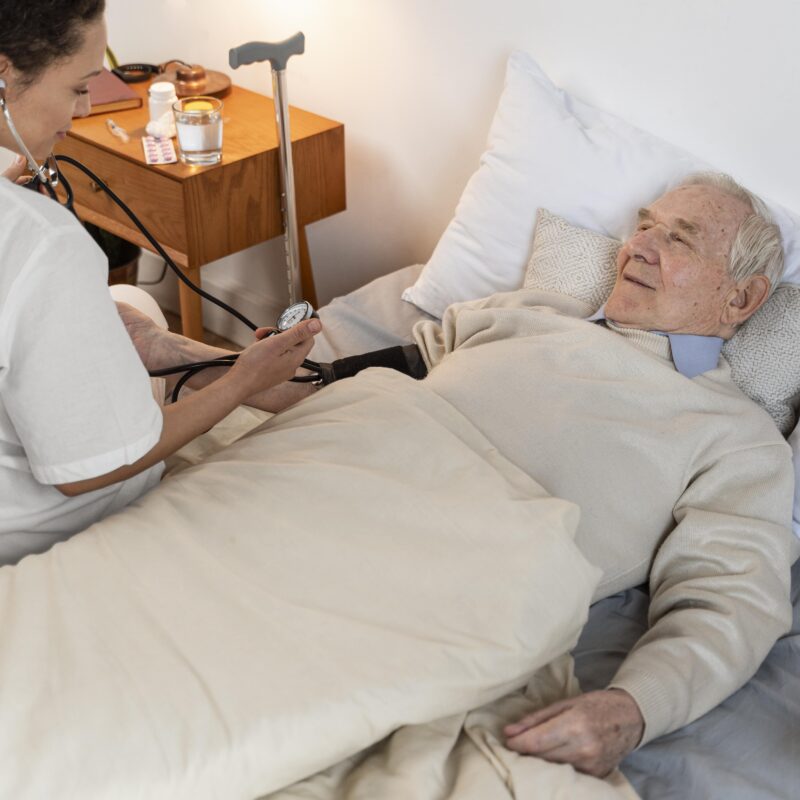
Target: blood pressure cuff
column 403, row 358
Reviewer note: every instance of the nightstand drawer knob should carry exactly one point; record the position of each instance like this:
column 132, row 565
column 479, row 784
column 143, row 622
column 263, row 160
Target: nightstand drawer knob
column 95, row 187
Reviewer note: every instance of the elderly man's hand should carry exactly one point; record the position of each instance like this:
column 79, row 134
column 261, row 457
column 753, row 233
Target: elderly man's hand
column 592, row 731
column 156, row 347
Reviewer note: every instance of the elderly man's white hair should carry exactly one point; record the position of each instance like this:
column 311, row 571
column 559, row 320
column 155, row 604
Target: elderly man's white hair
column 757, row 248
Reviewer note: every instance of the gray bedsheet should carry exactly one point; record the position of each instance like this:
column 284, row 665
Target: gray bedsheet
column 746, row 749
column 370, row 318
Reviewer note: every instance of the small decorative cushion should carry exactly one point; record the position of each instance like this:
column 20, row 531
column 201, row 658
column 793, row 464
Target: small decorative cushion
column 763, row 354
column 547, row 149
column 572, row 261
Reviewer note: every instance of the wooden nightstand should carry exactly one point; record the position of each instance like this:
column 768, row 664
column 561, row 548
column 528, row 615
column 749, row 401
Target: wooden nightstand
column 200, row 214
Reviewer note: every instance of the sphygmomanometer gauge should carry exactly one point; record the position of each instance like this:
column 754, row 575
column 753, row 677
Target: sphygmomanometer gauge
column 295, row 314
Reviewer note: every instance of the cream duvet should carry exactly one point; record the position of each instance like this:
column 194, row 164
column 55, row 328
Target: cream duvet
column 362, row 562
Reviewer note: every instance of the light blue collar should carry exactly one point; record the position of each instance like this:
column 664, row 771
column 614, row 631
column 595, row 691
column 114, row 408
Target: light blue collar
column 692, row 355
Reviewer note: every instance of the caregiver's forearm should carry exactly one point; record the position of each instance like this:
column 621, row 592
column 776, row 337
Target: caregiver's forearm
column 186, row 351
column 275, row 399
column 282, row 396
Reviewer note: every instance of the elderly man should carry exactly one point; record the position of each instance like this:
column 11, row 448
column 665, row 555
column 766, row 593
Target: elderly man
column 680, row 478
column 699, row 264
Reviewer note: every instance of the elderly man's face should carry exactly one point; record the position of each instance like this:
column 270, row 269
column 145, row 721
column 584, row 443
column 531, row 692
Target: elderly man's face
column 672, row 272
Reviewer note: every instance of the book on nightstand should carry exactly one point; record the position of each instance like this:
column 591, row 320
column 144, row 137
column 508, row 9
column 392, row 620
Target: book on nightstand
column 109, row 93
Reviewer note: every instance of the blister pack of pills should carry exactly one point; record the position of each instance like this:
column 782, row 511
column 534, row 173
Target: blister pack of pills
column 158, row 151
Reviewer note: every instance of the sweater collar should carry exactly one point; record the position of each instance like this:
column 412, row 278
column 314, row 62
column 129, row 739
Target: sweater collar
column 691, row 354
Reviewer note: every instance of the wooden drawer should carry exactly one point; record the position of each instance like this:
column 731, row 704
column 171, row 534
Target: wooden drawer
column 154, row 198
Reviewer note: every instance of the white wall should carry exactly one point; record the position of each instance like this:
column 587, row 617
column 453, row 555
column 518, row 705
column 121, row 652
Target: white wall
column 416, row 82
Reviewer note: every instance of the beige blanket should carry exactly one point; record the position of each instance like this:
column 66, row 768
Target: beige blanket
column 364, row 562
column 462, row 758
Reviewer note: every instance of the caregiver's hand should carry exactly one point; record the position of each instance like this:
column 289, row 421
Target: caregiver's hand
column 592, row 731
column 17, row 172
column 273, row 360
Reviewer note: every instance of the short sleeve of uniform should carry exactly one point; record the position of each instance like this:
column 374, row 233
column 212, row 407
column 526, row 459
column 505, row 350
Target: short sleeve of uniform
column 73, row 385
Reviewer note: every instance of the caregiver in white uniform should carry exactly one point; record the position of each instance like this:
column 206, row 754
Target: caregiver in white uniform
column 81, row 435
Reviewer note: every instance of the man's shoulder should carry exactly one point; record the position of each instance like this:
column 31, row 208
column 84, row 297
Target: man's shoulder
column 487, row 310
column 750, row 419
column 553, row 302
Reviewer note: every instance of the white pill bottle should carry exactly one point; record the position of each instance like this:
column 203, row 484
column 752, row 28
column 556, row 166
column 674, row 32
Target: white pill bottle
column 161, row 96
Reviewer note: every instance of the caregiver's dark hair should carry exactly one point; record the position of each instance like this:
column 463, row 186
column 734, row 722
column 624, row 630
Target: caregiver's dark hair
column 36, row 33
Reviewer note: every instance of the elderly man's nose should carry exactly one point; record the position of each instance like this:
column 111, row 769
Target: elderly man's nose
column 643, row 252
column 640, row 251
column 643, row 245
column 645, row 234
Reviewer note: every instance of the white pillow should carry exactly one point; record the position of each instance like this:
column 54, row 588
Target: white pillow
column 547, row 149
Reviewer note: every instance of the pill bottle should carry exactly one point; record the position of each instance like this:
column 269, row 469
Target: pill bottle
column 161, row 96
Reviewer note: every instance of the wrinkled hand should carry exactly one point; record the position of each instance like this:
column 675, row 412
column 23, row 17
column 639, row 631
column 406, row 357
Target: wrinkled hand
column 592, row 731
column 156, row 347
column 273, row 360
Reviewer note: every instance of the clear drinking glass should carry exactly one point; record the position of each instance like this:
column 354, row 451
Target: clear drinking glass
column 199, row 124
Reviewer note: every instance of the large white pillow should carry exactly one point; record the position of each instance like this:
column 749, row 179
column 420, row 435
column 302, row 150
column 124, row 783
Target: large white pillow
column 547, row 149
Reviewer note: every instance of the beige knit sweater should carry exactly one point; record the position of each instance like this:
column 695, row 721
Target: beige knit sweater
column 686, row 481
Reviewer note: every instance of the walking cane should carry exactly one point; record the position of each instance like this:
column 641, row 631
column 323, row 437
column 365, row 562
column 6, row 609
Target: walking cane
column 278, row 53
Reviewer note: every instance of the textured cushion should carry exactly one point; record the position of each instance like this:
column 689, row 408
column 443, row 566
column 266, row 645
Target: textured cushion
column 547, row 149
column 572, row 261
column 763, row 354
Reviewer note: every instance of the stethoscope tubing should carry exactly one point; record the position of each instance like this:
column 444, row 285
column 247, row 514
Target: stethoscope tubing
column 312, row 365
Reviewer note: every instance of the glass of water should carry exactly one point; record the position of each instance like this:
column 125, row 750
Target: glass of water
column 199, row 124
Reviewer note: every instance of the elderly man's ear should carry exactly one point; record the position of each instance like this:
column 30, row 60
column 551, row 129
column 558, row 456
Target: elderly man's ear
column 743, row 301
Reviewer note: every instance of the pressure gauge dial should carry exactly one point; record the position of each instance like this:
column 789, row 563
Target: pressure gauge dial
column 294, row 314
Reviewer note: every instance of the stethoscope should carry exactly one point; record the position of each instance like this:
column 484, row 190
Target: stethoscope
column 47, row 175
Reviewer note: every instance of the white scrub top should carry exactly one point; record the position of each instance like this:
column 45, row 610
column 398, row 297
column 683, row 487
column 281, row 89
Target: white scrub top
column 75, row 399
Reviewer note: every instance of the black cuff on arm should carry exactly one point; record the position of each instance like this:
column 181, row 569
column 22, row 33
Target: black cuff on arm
column 403, row 358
